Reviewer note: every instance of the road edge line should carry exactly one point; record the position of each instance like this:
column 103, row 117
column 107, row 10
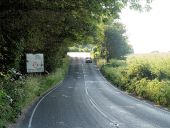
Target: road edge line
column 163, row 109
column 42, row 98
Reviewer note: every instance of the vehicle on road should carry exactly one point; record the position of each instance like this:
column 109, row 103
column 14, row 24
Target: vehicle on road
column 88, row 60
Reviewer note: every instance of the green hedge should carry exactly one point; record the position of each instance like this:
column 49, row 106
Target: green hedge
column 144, row 76
column 17, row 91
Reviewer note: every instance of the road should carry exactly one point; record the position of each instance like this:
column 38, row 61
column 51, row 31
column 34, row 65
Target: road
column 86, row 100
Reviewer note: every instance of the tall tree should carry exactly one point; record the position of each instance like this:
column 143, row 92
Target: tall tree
column 49, row 25
column 116, row 42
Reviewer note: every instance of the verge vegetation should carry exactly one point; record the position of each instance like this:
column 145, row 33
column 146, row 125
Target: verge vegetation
column 17, row 94
column 51, row 27
column 146, row 76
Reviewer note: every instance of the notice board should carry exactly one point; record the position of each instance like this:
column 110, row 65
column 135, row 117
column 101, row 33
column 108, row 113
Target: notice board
column 35, row 62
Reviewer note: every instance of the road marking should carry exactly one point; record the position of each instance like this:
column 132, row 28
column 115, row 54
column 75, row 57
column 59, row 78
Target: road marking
column 87, row 93
column 129, row 106
column 143, row 102
column 95, row 105
column 62, row 124
column 90, row 98
column 35, row 108
column 65, row 96
column 70, row 87
column 94, row 81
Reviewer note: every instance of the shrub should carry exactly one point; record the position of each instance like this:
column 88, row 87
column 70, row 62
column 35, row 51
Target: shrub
column 100, row 62
column 117, row 63
column 140, row 70
column 114, row 72
column 147, row 76
column 5, row 108
column 17, row 91
column 159, row 92
column 13, row 84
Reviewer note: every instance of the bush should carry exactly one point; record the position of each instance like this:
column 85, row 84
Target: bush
column 150, row 65
column 100, row 62
column 117, row 63
column 115, row 73
column 5, row 108
column 140, row 70
column 159, row 92
column 17, row 91
column 147, row 76
column 13, row 87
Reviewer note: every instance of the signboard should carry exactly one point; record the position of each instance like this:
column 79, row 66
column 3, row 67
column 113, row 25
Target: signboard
column 35, row 62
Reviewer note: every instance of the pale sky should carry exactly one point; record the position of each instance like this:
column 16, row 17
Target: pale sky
column 149, row 31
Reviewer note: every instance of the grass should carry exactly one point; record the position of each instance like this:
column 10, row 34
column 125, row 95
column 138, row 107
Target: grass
column 15, row 95
column 36, row 86
column 147, row 76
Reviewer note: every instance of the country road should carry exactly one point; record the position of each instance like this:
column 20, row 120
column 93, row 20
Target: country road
column 86, row 100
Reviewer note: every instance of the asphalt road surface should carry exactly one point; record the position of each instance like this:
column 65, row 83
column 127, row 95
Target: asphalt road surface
column 86, row 100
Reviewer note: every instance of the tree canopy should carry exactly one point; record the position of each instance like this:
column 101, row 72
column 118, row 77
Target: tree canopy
column 51, row 26
column 116, row 42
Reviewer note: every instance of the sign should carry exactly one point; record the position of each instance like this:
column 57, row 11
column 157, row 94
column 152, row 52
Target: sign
column 35, row 62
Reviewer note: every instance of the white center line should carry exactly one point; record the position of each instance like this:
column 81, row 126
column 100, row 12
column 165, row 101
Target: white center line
column 94, row 103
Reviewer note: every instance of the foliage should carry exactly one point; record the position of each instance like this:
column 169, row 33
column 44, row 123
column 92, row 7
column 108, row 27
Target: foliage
column 100, row 62
column 50, row 27
column 144, row 75
column 81, row 48
column 17, row 92
column 5, row 108
column 116, row 41
column 12, row 95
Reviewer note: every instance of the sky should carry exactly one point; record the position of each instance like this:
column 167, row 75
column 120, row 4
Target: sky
column 79, row 54
column 149, row 31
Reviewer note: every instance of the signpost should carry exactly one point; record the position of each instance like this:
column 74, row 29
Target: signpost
column 35, row 63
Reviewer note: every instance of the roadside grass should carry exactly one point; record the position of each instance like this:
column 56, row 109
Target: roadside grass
column 15, row 95
column 146, row 76
column 38, row 85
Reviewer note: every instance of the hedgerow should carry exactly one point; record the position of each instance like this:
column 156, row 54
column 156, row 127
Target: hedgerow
column 147, row 76
column 18, row 91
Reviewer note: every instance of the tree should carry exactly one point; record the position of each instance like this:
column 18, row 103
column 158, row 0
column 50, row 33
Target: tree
column 51, row 26
column 116, row 42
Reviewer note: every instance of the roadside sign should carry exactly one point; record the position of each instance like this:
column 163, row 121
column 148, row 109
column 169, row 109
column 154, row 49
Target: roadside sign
column 35, row 62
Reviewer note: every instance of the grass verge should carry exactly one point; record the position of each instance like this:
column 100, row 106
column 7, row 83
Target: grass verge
column 144, row 76
column 15, row 95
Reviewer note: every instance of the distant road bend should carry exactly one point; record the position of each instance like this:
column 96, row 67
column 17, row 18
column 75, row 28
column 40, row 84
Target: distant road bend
column 86, row 100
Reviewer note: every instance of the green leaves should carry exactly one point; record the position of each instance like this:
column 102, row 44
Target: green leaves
column 139, row 76
column 45, row 25
column 116, row 41
column 50, row 27
column 5, row 108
